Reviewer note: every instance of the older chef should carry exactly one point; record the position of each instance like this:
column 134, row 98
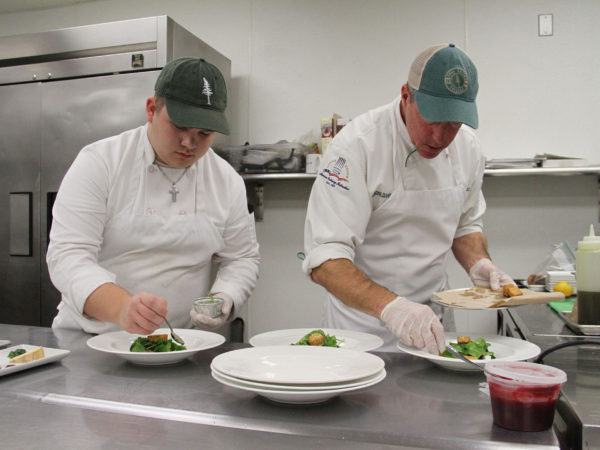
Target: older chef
column 140, row 217
column 398, row 188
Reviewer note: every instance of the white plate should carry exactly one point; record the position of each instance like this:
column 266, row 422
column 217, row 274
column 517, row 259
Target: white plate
column 50, row 355
column 505, row 348
column 4, row 343
column 535, row 287
column 298, row 364
column 296, row 397
column 299, row 387
column 354, row 340
column 118, row 343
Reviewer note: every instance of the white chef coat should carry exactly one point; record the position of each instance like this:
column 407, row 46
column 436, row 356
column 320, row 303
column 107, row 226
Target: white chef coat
column 391, row 211
column 114, row 221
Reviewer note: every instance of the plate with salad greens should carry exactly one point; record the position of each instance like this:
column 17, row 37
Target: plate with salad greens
column 319, row 337
column 481, row 349
column 156, row 349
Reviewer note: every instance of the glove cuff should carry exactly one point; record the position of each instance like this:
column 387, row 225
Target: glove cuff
column 389, row 305
column 476, row 267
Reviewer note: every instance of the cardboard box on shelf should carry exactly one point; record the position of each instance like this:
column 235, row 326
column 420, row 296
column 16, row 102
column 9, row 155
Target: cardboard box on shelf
column 326, row 133
column 339, row 122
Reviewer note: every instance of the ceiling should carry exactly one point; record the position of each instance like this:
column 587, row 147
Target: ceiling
column 11, row 6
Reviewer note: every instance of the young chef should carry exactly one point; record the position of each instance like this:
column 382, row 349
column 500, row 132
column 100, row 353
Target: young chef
column 398, row 188
column 139, row 217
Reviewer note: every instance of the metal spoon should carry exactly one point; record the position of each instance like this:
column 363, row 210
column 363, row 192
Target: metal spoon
column 458, row 355
column 174, row 335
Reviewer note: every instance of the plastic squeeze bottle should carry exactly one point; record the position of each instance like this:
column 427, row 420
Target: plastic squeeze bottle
column 587, row 266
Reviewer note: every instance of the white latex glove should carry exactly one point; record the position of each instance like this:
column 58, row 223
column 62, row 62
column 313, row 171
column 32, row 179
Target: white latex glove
column 484, row 273
column 210, row 323
column 416, row 325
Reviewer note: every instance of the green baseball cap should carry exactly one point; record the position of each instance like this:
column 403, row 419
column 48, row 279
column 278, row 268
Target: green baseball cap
column 445, row 82
column 195, row 94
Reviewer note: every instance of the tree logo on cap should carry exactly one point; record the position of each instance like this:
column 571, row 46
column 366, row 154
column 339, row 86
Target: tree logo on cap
column 206, row 90
column 456, row 80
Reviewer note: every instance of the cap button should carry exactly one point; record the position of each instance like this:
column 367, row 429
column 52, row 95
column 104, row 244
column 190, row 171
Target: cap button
column 452, row 45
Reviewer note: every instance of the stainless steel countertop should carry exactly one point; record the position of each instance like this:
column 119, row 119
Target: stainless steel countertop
column 96, row 400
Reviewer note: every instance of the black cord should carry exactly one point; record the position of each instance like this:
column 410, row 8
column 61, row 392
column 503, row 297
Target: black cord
column 540, row 359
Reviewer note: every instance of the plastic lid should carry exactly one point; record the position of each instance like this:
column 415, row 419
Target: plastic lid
column 526, row 372
column 590, row 242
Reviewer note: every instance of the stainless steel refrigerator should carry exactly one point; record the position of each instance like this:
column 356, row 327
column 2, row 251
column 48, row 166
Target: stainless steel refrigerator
column 61, row 90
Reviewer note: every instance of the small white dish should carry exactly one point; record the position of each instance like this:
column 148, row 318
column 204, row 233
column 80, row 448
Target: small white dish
column 118, row 343
column 354, row 340
column 209, row 306
column 505, row 349
column 296, row 364
column 535, row 287
column 50, row 355
column 4, row 343
column 296, row 397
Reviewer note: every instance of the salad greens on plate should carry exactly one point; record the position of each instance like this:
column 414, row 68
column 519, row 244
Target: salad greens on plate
column 155, row 344
column 319, row 338
column 473, row 349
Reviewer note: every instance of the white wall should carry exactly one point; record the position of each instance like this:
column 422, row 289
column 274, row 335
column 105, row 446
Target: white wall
column 295, row 61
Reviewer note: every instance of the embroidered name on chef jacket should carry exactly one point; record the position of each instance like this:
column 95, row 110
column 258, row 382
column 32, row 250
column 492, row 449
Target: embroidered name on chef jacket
column 336, row 174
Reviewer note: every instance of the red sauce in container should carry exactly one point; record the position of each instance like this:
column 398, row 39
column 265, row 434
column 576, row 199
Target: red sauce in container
column 523, row 395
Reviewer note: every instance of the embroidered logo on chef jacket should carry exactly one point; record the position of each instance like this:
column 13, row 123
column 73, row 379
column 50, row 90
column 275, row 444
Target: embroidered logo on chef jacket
column 382, row 194
column 336, row 174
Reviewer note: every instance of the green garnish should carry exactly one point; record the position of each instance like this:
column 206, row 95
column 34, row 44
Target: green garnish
column 327, row 340
column 477, row 348
column 157, row 345
column 16, row 353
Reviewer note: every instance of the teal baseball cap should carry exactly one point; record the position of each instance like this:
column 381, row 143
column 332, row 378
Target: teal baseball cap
column 195, row 94
column 445, row 82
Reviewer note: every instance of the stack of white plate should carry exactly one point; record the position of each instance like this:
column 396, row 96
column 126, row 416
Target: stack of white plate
column 298, row 374
column 556, row 276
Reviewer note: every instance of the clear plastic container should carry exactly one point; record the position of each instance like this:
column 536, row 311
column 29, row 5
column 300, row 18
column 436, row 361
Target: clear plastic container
column 523, row 394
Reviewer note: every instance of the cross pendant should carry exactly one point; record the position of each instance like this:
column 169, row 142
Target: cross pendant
column 174, row 191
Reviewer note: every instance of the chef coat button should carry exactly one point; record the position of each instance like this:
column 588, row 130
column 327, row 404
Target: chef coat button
column 149, row 211
column 182, row 213
column 151, row 169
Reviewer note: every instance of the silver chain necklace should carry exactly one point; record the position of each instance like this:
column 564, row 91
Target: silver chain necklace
column 173, row 191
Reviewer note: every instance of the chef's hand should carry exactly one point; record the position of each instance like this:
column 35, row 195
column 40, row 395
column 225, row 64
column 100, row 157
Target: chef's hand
column 484, row 273
column 210, row 323
column 415, row 324
column 139, row 314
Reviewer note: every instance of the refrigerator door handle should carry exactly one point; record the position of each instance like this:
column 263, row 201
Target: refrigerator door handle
column 50, row 197
column 20, row 212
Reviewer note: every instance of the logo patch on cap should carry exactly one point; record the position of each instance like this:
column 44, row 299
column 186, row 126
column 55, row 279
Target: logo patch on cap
column 206, row 90
column 456, row 80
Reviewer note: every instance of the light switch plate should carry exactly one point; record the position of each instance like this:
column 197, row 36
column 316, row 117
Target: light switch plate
column 545, row 25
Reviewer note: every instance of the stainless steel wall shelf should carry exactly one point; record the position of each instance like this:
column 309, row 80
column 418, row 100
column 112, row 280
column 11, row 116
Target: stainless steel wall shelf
column 590, row 170
column 257, row 179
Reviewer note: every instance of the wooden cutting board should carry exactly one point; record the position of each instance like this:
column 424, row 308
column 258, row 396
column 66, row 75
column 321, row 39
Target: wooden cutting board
column 482, row 298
